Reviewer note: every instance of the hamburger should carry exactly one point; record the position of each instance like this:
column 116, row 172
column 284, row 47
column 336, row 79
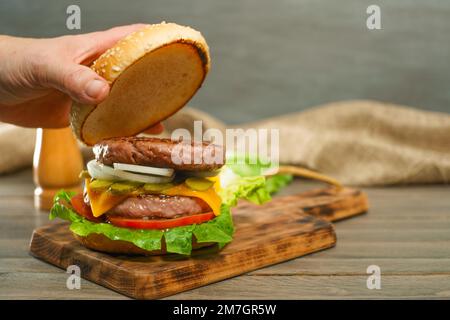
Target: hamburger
column 134, row 184
column 137, row 199
column 147, row 195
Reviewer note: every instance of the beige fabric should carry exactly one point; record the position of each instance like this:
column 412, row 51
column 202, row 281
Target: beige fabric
column 357, row 142
column 367, row 143
column 16, row 147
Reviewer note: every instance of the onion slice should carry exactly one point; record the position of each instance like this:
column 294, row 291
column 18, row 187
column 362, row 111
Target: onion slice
column 144, row 178
column 166, row 172
column 100, row 171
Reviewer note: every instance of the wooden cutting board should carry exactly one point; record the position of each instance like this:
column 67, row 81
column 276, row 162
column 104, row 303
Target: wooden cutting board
column 287, row 227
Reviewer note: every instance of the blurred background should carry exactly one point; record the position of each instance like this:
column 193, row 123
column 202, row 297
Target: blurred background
column 274, row 57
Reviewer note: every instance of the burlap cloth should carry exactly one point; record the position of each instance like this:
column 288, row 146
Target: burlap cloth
column 357, row 142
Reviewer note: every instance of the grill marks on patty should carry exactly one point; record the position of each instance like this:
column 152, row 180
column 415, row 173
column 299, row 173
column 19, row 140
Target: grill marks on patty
column 159, row 206
column 157, row 152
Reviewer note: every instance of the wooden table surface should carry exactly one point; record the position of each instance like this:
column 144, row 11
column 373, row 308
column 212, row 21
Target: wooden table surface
column 406, row 233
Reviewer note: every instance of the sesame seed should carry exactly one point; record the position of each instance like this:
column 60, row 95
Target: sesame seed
column 115, row 68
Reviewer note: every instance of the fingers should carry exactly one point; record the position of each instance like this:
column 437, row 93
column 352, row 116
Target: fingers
column 78, row 81
column 96, row 43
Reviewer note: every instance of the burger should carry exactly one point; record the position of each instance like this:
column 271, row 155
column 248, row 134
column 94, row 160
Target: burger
column 148, row 195
column 137, row 200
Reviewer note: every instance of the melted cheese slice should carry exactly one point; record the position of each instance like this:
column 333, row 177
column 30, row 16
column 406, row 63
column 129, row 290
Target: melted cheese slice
column 101, row 202
column 209, row 196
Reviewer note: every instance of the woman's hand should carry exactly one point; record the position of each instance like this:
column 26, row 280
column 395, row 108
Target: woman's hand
column 40, row 77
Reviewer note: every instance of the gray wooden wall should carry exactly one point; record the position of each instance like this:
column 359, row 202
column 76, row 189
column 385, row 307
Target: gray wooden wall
column 277, row 56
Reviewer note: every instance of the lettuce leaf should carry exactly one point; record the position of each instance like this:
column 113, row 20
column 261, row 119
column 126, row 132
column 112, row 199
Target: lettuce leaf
column 249, row 188
column 247, row 166
column 277, row 182
column 247, row 180
column 256, row 189
column 219, row 230
column 178, row 240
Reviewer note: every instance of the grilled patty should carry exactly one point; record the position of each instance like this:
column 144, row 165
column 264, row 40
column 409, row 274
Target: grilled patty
column 159, row 206
column 157, row 152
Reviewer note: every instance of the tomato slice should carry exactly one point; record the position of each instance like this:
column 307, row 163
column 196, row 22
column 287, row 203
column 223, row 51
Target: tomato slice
column 160, row 223
column 82, row 208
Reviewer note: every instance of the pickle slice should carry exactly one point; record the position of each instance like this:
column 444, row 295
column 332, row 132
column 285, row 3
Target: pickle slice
column 157, row 187
column 84, row 174
column 100, row 185
column 199, row 184
column 124, row 187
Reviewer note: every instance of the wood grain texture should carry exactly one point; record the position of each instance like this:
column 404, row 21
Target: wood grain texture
column 268, row 234
column 330, row 204
column 406, row 234
column 265, row 235
column 326, row 287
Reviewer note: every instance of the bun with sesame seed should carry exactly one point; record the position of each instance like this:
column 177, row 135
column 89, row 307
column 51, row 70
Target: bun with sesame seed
column 152, row 72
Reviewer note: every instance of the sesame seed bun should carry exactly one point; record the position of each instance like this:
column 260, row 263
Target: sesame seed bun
column 153, row 73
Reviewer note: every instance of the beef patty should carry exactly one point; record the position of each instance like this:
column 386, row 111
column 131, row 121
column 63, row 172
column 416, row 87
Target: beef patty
column 157, row 152
column 159, row 206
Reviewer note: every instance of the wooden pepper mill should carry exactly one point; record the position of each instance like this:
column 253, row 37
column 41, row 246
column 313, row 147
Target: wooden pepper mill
column 57, row 163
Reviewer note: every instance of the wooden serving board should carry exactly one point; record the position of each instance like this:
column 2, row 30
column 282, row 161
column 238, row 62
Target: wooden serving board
column 287, row 227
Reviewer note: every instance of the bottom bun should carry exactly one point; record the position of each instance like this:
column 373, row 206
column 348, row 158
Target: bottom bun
column 100, row 242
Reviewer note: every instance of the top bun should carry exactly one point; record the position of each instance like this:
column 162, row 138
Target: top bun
column 153, row 73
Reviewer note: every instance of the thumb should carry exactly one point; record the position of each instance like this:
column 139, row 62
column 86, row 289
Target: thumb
column 78, row 81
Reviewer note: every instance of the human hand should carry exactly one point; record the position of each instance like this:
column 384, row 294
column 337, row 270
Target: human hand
column 39, row 78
